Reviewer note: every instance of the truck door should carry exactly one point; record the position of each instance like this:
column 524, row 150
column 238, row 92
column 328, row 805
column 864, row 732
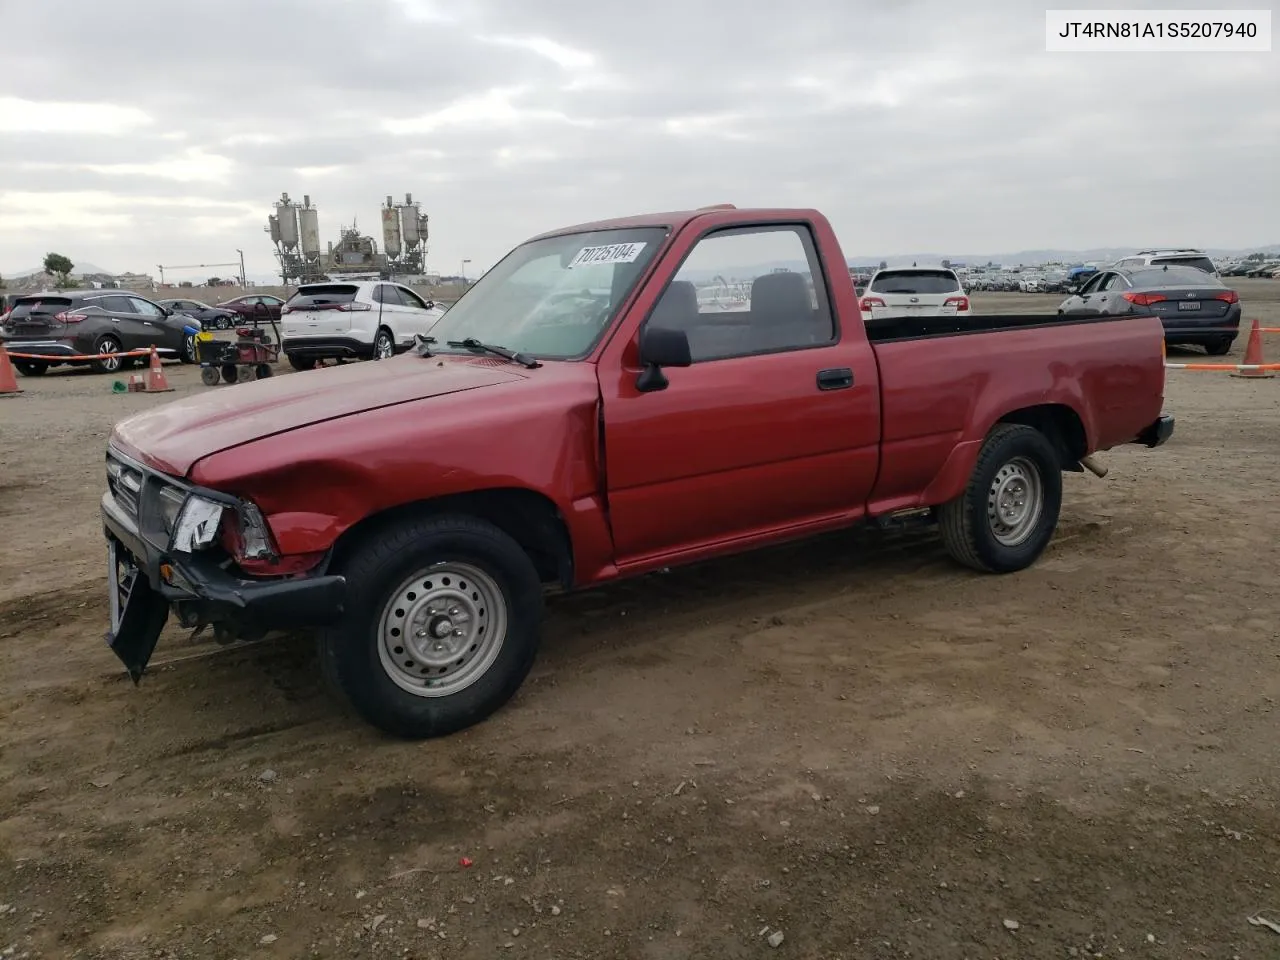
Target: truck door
column 775, row 425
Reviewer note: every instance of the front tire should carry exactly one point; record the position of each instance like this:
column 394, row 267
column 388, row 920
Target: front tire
column 31, row 368
column 440, row 626
column 189, row 348
column 1009, row 510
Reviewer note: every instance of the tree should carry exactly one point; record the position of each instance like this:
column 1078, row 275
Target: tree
column 56, row 263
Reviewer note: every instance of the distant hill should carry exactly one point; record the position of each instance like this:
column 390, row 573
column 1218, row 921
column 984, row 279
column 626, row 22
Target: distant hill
column 80, row 270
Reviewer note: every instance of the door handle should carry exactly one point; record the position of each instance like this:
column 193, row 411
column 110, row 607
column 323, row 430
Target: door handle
column 835, row 378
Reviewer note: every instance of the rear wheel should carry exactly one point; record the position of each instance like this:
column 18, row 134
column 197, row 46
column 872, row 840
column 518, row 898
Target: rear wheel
column 1007, row 514
column 30, row 368
column 229, row 372
column 263, row 370
column 301, row 363
column 384, row 345
column 244, row 374
column 1220, row 347
column 440, row 626
column 108, row 364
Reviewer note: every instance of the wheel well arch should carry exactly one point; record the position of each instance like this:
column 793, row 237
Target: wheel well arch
column 1063, row 427
column 530, row 518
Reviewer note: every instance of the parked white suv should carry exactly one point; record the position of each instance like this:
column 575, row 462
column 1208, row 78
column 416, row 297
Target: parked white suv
column 361, row 319
column 1183, row 257
column 914, row 292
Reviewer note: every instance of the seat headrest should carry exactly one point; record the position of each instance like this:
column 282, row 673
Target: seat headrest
column 781, row 294
column 678, row 307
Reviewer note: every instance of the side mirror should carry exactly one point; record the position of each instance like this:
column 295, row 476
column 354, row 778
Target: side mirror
column 661, row 347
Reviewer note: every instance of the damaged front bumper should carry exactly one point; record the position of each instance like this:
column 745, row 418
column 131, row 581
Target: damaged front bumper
column 146, row 581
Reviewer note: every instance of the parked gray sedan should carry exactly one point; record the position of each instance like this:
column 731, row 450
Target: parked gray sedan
column 1195, row 307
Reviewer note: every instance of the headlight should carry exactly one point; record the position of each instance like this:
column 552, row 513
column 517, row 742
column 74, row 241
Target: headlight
column 196, row 524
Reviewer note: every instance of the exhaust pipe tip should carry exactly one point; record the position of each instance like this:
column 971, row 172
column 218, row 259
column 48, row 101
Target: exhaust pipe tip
column 1091, row 464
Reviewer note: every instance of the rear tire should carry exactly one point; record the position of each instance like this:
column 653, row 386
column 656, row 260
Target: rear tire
column 1220, row 347
column 301, row 363
column 454, row 574
column 31, row 368
column 263, row 370
column 229, row 372
column 1009, row 509
column 384, row 344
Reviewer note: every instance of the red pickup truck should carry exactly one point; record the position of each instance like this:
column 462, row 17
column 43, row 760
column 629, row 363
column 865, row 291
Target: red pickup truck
column 609, row 399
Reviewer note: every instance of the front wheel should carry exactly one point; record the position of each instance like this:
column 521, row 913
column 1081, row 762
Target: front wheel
column 1007, row 514
column 210, row 376
column 30, row 368
column 440, row 626
column 189, row 348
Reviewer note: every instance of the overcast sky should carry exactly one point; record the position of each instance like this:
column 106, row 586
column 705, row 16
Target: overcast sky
column 139, row 132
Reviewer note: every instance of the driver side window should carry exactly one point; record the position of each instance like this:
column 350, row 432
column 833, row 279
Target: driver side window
column 746, row 291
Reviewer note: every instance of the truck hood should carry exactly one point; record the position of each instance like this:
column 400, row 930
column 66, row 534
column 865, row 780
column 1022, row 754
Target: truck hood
column 172, row 437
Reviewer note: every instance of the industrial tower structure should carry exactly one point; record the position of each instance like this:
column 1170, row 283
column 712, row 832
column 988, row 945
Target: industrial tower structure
column 295, row 231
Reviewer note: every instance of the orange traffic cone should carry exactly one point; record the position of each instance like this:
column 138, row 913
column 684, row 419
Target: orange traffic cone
column 8, row 382
column 1253, row 355
column 155, row 381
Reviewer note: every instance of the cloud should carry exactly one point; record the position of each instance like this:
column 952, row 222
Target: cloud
column 917, row 125
column 34, row 116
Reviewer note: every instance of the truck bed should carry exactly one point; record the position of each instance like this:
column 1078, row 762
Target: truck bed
column 894, row 329
column 942, row 389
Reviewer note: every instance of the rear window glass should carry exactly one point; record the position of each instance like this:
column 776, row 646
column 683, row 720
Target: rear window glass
column 1172, row 274
column 914, row 281
column 39, row 306
column 1199, row 263
column 323, row 295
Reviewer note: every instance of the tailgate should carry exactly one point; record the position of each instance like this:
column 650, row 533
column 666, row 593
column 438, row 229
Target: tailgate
column 38, row 316
column 320, row 309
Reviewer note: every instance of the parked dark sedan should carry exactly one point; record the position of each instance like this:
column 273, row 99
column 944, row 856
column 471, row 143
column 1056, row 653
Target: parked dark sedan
column 211, row 318
column 255, row 306
column 1195, row 307
column 69, row 323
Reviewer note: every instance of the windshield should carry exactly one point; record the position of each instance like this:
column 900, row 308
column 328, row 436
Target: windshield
column 914, row 281
column 552, row 298
column 1175, row 276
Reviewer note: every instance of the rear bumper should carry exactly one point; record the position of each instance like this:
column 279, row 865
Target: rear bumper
column 1157, row 432
column 321, row 348
column 53, row 349
column 1194, row 330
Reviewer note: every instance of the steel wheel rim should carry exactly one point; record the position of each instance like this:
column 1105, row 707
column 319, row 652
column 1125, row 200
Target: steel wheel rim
column 382, row 347
column 110, row 364
column 1015, row 501
column 442, row 629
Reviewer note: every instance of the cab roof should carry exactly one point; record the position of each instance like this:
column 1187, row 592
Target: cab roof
column 676, row 219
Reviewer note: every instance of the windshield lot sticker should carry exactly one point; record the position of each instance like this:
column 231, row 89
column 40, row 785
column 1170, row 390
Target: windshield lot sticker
column 613, row 253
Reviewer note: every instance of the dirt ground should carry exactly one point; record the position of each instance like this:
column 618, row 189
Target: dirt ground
column 851, row 741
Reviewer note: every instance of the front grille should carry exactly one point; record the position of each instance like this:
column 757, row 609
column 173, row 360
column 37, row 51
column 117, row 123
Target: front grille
column 125, row 484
